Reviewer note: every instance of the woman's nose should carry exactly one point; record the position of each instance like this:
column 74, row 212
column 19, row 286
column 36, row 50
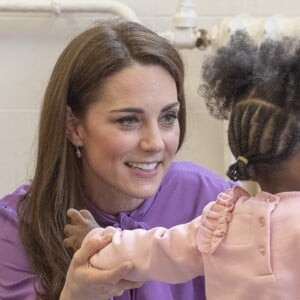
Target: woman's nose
column 152, row 139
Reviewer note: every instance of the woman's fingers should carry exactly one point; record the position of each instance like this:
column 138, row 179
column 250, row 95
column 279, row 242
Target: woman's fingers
column 93, row 246
column 117, row 273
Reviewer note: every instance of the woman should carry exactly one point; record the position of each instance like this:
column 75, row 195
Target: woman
column 112, row 121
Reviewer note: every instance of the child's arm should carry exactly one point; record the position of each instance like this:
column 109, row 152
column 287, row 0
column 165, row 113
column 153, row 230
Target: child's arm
column 169, row 255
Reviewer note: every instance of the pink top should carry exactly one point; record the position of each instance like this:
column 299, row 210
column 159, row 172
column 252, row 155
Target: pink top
column 253, row 257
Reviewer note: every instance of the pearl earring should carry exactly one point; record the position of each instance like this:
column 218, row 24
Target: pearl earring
column 78, row 152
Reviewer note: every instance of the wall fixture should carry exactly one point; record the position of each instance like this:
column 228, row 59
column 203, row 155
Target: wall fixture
column 185, row 33
column 69, row 6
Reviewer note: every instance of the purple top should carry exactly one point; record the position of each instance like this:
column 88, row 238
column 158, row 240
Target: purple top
column 181, row 197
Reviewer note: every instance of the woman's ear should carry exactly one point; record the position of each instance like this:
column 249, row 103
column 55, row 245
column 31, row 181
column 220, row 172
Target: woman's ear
column 72, row 128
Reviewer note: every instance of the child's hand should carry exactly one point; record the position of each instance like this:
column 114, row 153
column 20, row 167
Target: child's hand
column 81, row 223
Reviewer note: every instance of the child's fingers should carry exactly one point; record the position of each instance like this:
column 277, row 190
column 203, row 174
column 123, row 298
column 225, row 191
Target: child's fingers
column 75, row 216
column 66, row 242
column 71, row 212
column 71, row 242
column 70, row 230
column 86, row 214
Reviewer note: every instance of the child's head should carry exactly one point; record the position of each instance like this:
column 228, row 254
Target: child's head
column 256, row 87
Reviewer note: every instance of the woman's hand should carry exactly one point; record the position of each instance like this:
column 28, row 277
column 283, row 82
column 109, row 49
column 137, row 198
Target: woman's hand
column 83, row 282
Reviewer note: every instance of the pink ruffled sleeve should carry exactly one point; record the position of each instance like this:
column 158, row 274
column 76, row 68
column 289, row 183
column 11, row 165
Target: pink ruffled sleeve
column 215, row 223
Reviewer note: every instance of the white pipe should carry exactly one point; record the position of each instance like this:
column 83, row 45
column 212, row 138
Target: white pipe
column 59, row 6
column 185, row 15
column 184, row 33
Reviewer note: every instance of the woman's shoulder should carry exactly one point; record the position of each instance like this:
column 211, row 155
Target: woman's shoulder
column 9, row 220
column 9, row 203
column 8, row 212
column 190, row 167
column 15, row 268
column 187, row 171
column 189, row 180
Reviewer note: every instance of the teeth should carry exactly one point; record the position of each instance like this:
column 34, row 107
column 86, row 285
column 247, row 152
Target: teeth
column 143, row 166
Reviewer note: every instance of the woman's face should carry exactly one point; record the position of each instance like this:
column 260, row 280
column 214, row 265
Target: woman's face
column 130, row 134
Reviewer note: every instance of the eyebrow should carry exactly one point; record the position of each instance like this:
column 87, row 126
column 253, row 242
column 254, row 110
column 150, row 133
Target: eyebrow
column 141, row 111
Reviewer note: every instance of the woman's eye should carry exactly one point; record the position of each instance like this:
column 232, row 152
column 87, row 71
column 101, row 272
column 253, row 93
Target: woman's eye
column 169, row 119
column 128, row 122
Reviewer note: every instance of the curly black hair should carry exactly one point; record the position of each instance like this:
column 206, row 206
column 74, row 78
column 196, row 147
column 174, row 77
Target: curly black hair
column 257, row 88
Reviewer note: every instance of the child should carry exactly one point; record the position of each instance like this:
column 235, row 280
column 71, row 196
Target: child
column 257, row 88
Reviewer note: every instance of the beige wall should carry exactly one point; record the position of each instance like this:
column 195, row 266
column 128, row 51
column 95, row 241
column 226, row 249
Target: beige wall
column 31, row 43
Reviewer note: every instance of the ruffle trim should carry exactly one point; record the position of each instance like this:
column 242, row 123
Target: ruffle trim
column 215, row 222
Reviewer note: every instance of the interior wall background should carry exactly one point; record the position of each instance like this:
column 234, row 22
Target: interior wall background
column 31, row 43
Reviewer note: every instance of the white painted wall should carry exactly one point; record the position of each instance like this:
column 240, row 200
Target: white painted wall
column 30, row 44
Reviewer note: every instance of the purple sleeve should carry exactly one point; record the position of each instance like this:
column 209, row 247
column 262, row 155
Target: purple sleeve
column 17, row 280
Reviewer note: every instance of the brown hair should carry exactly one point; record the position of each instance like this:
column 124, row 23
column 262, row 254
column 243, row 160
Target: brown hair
column 95, row 54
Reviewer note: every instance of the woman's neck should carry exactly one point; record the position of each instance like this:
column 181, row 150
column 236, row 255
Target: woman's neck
column 113, row 205
column 111, row 201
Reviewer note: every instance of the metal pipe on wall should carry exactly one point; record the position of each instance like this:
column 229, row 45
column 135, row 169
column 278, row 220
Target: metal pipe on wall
column 184, row 33
column 68, row 6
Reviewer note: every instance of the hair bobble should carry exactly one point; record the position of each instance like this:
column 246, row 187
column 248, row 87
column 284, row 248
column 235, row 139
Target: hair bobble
column 243, row 159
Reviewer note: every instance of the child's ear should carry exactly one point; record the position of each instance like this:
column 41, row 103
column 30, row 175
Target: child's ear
column 72, row 131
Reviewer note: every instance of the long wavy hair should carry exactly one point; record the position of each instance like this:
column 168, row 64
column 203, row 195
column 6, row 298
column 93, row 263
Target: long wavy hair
column 101, row 51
